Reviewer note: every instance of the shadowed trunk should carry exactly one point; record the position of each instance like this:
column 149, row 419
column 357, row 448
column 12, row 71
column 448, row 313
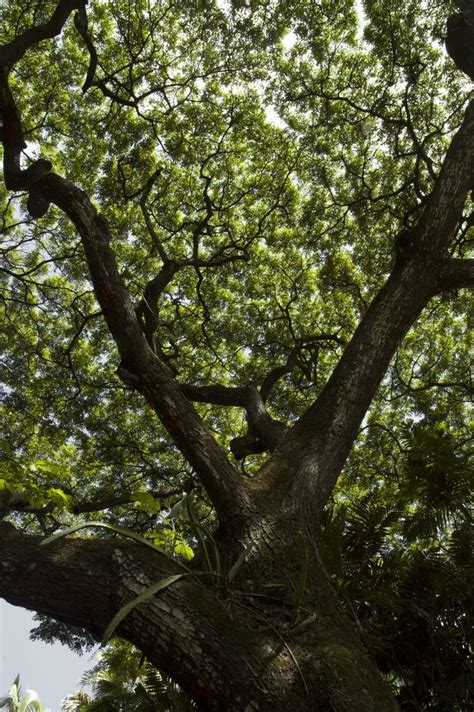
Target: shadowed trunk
column 250, row 645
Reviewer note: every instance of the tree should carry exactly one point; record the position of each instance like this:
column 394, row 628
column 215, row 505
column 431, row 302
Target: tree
column 17, row 702
column 122, row 681
column 213, row 257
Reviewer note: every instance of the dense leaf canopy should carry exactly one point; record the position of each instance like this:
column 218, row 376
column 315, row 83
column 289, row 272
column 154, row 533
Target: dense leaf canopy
column 254, row 163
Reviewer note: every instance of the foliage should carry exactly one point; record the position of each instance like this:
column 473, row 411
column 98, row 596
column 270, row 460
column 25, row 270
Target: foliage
column 122, row 680
column 266, row 154
column 401, row 553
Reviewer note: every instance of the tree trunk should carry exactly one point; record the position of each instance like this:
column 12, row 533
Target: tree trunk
column 275, row 638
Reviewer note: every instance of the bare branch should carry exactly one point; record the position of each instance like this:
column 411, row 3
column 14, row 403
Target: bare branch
column 264, row 431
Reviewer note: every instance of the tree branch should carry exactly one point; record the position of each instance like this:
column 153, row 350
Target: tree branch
column 147, row 310
column 292, row 361
column 313, row 453
column 456, row 274
column 140, row 365
column 184, row 630
column 444, row 206
column 18, row 501
column 82, row 26
column 14, row 50
column 265, row 432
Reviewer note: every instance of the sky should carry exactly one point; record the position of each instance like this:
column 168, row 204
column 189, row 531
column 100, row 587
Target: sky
column 53, row 671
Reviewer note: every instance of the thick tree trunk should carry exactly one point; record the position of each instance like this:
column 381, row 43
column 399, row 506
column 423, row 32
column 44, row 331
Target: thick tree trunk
column 270, row 640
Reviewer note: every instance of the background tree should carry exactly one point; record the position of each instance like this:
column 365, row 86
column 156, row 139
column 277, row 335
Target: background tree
column 230, row 216
column 122, row 680
column 16, row 701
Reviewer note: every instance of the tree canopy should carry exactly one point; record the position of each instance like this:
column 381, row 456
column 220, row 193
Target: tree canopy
column 236, row 291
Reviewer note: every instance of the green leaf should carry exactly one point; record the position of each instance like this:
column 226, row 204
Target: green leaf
column 235, row 568
column 146, row 501
column 113, row 528
column 184, row 550
column 145, row 595
column 48, row 466
column 58, row 496
column 205, row 541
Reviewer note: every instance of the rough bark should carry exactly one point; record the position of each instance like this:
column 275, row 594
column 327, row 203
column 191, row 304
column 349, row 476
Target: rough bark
column 227, row 652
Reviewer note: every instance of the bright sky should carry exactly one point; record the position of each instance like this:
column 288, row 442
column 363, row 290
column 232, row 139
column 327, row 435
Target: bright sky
column 52, row 670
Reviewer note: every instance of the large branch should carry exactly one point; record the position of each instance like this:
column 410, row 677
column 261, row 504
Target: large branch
column 148, row 374
column 184, row 631
column 14, row 50
column 265, row 432
column 312, row 455
column 226, row 654
column 140, row 365
column 457, row 274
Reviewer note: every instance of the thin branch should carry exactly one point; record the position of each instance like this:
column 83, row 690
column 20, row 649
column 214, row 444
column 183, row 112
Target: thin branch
column 292, row 361
column 18, row 501
column 146, row 214
column 119, row 501
column 147, row 310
